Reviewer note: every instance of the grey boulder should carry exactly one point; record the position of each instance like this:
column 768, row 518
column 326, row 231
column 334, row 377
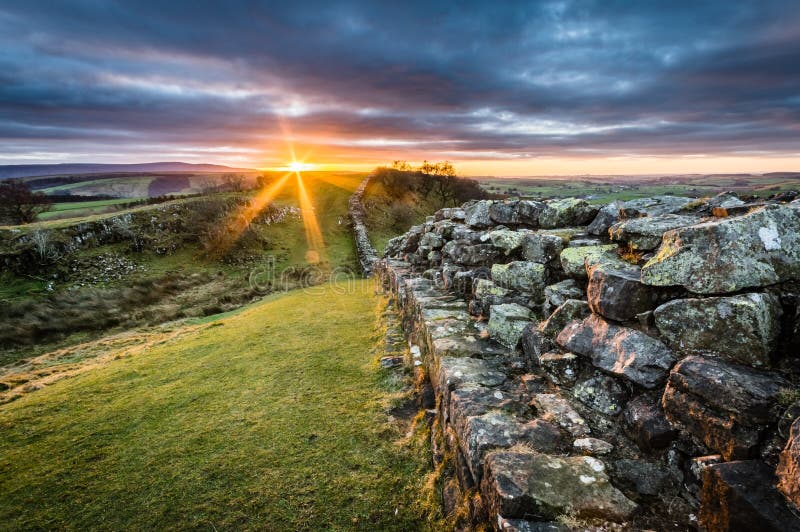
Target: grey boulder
column 645, row 233
column 506, row 323
column 618, row 350
column 615, row 290
column 758, row 249
column 742, row 329
column 533, row 485
column 725, row 406
column 524, row 276
column 566, row 212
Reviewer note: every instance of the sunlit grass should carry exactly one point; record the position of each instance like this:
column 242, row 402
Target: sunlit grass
column 242, row 424
column 315, row 243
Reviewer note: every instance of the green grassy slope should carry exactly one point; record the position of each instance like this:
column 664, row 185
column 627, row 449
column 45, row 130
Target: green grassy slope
column 270, row 419
column 82, row 208
column 606, row 189
column 216, row 285
column 382, row 221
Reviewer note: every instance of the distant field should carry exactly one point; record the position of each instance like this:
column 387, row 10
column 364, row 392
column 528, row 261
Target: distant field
column 141, row 185
column 82, row 208
column 602, row 189
column 129, row 185
column 119, row 186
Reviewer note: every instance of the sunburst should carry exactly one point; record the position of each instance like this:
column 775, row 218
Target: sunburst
column 238, row 223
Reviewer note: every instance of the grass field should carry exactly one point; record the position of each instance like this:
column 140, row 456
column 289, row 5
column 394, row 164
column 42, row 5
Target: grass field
column 604, row 189
column 82, row 208
column 244, row 423
column 132, row 185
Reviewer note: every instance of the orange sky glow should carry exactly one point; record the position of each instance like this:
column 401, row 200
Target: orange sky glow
column 349, row 159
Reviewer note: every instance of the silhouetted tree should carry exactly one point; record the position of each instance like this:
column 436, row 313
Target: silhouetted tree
column 18, row 205
column 233, row 182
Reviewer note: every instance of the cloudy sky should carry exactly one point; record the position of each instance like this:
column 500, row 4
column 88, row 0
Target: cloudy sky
column 501, row 88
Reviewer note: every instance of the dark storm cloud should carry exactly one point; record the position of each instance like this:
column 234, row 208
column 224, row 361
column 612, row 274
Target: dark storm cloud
column 518, row 80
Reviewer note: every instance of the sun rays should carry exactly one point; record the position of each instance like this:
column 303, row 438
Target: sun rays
column 314, row 240
column 240, row 221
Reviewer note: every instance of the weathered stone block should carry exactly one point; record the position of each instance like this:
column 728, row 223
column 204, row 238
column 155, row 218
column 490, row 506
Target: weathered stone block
column 723, row 405
column 535, row 344
column 475, row 400
column 607, row 216
column 646, row 423
column 566, row 212
column 619, row 350
column 573, row 260
column 592, row 446
column 453, row 372
column 466, row 254
column 488, row 293
column 505, row 240
column 741, row 329
column 615, row 290
column 602, row 394
column 557, row 293
column 467, row 346
column 506, row 323
column 571, row 309
column 542, row 247
column 516, row 212
column 655, row 206
column 740, row 496
column 498, row 430
column 431, row 240
column 645, row 233
column 641, row 476
column 477, row 214
column 561, row 368
column 556, row 408
column 758, row 249
column 533, row 485
column 449, row 213
column 524, row 276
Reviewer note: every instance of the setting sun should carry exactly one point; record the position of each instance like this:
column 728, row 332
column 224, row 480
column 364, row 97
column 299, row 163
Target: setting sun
column 298, row 166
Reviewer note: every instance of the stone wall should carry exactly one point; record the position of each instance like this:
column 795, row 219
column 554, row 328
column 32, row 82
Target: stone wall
column 364, row 249
column 633, row 366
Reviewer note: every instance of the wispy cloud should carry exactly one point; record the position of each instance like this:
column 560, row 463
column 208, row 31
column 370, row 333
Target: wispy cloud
column 502, row 80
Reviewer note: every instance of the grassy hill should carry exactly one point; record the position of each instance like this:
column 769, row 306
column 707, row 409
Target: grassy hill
column 604, row 189
column 36, row 170
column 394, row 200
column 161, row 268
column 237, row 423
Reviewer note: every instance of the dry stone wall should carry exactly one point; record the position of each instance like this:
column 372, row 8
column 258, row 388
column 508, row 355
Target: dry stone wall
column 633, row 366
column 364, row 250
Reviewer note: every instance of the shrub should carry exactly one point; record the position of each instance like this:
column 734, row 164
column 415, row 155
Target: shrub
column 400, row 216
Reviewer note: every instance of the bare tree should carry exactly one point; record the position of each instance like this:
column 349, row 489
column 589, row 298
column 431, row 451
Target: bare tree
column 43, row 246
column 18, row 205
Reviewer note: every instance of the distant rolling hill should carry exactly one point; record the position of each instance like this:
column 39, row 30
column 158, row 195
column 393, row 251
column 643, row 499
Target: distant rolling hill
column 32, row 170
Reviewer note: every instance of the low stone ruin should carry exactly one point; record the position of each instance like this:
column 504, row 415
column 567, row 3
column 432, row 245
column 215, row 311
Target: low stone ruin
column 633, row 366
column 366, row 253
